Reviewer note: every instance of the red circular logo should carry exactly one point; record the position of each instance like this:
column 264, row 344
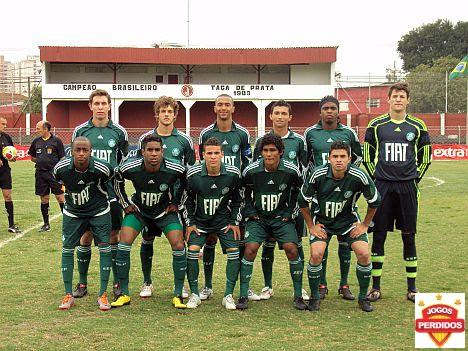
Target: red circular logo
column 187, row 90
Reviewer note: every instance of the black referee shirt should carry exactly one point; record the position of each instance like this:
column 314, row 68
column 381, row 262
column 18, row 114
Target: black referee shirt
column 5, row 140
column 47, row 152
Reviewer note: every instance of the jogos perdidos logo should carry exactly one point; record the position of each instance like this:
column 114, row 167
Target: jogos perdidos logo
column 440, row 320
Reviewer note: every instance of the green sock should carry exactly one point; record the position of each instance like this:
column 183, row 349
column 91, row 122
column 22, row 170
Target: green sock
column 314, row 274
column 246, row 270
column 344, row 255
column 146, row 257
column 179, row 266
column 122, row 262
column 208, row 262
column 232, row 271
column 83, row 257
column 193, row 270
column 296, row 268
column 268, row 257
column 323, row 276
column 105, row 264
column 67, row 269
column 363, row 274
column 114, row 267
column 300, row 250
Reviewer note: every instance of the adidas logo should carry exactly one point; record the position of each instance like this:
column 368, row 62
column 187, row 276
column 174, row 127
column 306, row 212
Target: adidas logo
column 81, row 182
column 100, row 137
column 214, row 186
column 225, row 142
column 397, row 129
column 164, row 146
column 271, row 182
column 151, row 181
column 337, row 189
column 330, row 140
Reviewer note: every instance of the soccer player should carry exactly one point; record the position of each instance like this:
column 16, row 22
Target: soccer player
column 177, row 147
column 319, row 137
column 46, row 151
column 336, row 186
column 213, row 206
column 397, row 153
column 235, row 143
column 109, row 143
column 295, row 151
column 86, row 206
column 5, row 177
column 153, row 209
column 271, row 189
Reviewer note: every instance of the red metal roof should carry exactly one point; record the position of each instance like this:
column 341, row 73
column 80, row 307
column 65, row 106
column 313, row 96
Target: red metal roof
column 189, row 56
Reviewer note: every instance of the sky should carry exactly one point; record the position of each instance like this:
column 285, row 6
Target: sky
column 366, row 32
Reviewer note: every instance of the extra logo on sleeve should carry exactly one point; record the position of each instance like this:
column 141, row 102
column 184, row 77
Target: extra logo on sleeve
column 440, row 320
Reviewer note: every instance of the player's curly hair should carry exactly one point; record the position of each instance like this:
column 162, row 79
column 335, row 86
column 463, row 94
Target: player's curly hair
column 149, row 138
column 340, row 145
column 164, row 101
column 272, row 139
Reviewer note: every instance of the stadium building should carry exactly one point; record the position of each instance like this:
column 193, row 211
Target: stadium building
column 135, row 77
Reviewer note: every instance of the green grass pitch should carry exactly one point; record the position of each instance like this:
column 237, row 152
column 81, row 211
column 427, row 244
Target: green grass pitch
column 31, row 289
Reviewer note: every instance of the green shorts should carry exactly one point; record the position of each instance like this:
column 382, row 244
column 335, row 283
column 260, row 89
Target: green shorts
column 74, row 227
column 258, row 231
column 151, row 228
column 342, row 238
column 226, row 239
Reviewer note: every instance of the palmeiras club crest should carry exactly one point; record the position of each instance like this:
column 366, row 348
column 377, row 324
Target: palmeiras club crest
column 442, row 320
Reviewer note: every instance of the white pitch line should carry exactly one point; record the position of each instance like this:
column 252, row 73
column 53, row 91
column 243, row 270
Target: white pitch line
column 20, row 235
column 438, row 182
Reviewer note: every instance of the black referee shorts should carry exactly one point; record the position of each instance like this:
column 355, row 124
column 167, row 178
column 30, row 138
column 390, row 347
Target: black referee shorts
column 399, row 207
column 46, row 183
column 5, row 178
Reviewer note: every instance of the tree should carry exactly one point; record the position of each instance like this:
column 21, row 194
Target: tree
column 425, row 44
column 428, row 84
column 35, row 101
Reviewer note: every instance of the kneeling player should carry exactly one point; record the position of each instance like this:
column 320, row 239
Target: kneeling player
column 337, row 186
column 86, row 206
column 271, row 191
column 152, row 207
column 213, row 207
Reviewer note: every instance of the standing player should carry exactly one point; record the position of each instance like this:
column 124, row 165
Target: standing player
column 271, row 189
column 109, row 143
column 86, row 206
column 397, row 153
column 5, row 177
column 46, row 151
column 295, row 151
column 336, row 187
column 177, row 147
column 319, row 137
column 235, row 143
column 153, row 209
column 213, row 206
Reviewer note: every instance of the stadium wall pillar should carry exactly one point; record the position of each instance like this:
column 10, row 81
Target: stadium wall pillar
column 45, row 103
column 261, row 106
column 442, row 124
column 188, row 105
column 115, row 115
column 28, row 123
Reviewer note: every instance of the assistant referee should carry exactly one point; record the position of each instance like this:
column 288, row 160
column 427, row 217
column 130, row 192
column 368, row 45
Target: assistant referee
column 46, row 150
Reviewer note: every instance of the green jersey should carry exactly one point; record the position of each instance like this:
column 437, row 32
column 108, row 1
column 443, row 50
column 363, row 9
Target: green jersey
column 337, row 198
column 271, row 194
column 109, row 143
column 213, row 202
column 318, row 142
column 177, row 147
column 234, row 143
column 154, row 192
column 295, row 149
column 85, row 194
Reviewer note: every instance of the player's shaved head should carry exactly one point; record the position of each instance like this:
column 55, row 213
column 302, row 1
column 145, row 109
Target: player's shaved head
column 81, row 139
column 224, row 96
